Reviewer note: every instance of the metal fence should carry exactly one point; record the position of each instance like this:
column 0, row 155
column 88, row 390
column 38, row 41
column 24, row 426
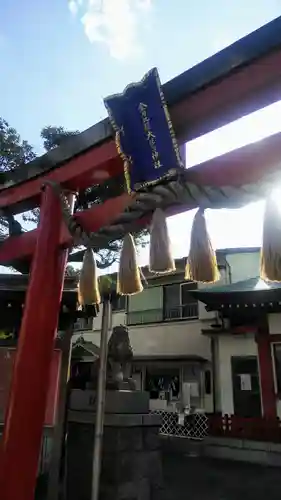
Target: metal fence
column 195, row 426
column 252, row 428
column 186, row 311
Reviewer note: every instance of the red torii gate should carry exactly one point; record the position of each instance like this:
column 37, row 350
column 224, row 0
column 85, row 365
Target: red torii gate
column 238, row 80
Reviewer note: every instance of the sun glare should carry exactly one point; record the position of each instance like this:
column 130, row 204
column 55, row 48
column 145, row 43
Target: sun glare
column 276, row 196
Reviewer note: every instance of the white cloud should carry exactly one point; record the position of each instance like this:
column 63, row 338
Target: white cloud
column 74, row 6
column 114, row 23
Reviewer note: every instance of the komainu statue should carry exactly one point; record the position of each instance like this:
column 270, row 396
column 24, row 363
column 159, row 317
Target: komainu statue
column 120, row 355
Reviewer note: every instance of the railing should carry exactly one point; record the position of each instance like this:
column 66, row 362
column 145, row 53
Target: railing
column 252, row 428
column 195, row 425
column 144, row 317
column 187, row 311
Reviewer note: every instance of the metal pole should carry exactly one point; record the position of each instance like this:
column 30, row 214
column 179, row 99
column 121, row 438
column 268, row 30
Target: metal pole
column 106, row 314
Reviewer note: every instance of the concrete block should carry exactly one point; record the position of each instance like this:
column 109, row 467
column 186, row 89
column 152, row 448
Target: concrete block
column 152, row 419
column 151, row 440
column 275, row 447
column 255, row 445
column 131, row 461
column 115, row 401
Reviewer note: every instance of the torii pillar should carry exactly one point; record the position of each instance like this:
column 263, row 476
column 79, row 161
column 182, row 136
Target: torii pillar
column 21, row 441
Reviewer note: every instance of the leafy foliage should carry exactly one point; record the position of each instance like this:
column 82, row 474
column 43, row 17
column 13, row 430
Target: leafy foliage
column 54, row 136
column 15, row 153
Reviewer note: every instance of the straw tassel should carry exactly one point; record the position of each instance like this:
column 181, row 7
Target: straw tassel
column 88, row 290
column 160, row 254
column 129, row 280
column 202, row 262
column 271, row 244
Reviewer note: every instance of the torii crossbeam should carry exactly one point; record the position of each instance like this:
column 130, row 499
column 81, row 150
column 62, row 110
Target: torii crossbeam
column 238, row 80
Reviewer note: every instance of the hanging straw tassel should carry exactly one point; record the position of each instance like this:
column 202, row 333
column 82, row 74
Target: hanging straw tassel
column 88, row 290
column 202, row 262
column 271, row 244
column 160, row 254
column 129, row 281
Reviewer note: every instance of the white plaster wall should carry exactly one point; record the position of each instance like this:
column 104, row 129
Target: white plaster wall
column 174, row 339
column 244, row 265
column 240, row 345
column 274, row 323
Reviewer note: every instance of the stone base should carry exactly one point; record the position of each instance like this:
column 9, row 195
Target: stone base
column 122, row 401
column 131, row 464
column 131, row 457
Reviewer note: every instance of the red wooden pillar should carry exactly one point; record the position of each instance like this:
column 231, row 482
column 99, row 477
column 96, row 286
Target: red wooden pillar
column 266, row 374
column 21, row 442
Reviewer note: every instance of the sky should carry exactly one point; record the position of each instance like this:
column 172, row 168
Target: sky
column 60, row 59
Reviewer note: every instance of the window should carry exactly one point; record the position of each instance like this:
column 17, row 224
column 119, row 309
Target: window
column 277, row 362
column 145, row 307
column 178, row 302
column 163, row 383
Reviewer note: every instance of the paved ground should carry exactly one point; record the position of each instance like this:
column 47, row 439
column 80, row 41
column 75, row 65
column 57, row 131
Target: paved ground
column 198, row 478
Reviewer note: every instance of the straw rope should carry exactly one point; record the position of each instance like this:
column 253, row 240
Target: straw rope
column 175, row 192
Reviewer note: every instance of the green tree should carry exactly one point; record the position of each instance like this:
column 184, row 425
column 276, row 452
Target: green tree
column 15, row 153
column 55, row 136
column 52, row 137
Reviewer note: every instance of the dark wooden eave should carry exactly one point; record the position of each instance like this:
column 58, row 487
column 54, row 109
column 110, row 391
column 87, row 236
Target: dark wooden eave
column 13, row 288
column 250, row 293
column 188, row 358
column 20, row 282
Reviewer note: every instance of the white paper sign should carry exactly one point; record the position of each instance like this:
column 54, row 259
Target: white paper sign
column 181, row 419
column 245, row 382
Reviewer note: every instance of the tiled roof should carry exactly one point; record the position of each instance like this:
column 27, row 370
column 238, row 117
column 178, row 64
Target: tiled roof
column 251, row 285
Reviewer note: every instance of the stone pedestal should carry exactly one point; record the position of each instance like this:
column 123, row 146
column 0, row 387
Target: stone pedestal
column 131, row 458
